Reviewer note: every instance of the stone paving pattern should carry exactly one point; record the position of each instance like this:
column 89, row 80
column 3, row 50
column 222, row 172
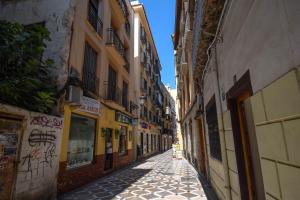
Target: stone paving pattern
column 159, row 177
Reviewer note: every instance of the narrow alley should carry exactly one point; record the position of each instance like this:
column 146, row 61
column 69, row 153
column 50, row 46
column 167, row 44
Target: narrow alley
column 159, row 177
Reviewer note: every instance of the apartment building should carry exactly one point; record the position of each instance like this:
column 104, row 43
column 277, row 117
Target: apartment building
column 177, row 136
column 246, row 74
column 148, row 85
column 169, row 119
column 188, row 99
column 98, row 134
column 92, row 48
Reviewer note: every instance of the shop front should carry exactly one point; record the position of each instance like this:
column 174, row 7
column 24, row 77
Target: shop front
column 96, row 140
column 147, row 140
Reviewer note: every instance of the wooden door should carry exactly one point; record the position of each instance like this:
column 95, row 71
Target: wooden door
column 10, row 131
column 245, row 145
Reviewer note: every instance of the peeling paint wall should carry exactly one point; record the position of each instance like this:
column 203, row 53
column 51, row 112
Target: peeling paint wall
column 58, row 17
column 39, row 149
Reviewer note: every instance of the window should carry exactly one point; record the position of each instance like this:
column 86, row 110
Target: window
column 146, row 113
column 213, row 130
column 150, row 116
column 145, row 86
column 142, row 111
column 123, row 141
column 112, row 84
column 81, row 141
column 93, row 17
column 125, row 95
column 89, row 68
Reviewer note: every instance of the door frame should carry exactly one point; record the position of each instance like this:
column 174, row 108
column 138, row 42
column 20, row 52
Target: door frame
column 21, row 119
column 242, row 86
column 112, row 146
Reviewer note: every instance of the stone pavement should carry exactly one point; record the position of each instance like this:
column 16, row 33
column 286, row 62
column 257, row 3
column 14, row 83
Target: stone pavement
column 159, row 177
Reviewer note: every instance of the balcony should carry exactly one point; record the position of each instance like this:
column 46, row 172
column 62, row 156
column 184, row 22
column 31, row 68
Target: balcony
column 127, row 65
column 115, row 48
column 119, row 12
column 116, row 95
column 127, row 28
column 95, row 20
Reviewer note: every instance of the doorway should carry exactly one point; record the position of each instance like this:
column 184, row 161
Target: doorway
column 202, row 148
column 108, row 150
column 142, row 144
column 10, row 134
column 237, row 96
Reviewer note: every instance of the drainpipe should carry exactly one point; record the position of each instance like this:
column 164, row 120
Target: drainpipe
column 213, row 44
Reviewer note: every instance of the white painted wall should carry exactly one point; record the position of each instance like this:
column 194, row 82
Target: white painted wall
column 39, row 154
column 58, row 17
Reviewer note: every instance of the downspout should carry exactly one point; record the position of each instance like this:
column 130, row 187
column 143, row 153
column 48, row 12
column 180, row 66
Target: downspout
column 213, row 44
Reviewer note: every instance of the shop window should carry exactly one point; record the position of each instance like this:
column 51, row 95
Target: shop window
column 81, row 141
column 123, row 141
column 213, row 130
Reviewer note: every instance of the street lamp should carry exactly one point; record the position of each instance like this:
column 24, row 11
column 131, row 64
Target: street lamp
column 142, row 100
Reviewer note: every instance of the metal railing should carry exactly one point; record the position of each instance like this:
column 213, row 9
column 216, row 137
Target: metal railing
column 124, row 8
column 127, row 65
column 95, row 20
column 127, row 28
column 113, row 39
column 115, row 94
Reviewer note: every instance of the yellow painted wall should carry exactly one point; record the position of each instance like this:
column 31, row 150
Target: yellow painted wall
column 106, row 120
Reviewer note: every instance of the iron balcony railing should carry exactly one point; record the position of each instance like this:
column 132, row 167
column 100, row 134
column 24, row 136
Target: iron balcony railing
column 127, row 65
column 127, row 28
column 113, row 39
column 124, row 8
column 115, row 94
column 95, row 20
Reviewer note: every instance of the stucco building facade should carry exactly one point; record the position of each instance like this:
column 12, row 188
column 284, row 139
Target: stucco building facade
column 246, row 73
column 147, row 86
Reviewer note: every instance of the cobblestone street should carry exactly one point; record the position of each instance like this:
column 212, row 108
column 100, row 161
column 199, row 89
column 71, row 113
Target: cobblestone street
column 159, row 177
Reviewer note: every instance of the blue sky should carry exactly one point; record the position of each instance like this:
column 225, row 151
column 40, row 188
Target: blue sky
column 161, row 14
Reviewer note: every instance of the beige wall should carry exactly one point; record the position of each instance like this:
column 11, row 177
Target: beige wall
column 276, row 111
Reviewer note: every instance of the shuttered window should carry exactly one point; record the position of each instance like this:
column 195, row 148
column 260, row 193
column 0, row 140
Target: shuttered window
column 112, row 84
column 213, row 130
column 89, row 69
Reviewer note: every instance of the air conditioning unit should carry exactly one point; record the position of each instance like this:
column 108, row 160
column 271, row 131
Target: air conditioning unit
column 75, row 95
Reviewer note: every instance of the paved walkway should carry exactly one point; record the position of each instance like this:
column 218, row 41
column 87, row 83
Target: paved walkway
column 159, row 177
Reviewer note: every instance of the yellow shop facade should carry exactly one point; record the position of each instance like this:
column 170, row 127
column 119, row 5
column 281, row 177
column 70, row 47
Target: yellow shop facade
column 87, row 131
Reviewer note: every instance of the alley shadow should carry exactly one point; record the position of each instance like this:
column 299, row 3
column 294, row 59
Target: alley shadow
column 208, row 190
column 109, row 186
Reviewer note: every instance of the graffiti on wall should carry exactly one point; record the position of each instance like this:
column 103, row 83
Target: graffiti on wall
column 41, row 141
column 45, row 121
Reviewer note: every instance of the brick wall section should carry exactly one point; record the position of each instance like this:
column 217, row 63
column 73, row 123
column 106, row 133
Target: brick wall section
column 74, row 178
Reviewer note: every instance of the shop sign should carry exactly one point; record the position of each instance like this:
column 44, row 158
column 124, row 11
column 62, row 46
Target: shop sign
column 144, row 125
column 120, row 117
column 90, row 105
column 135, row 122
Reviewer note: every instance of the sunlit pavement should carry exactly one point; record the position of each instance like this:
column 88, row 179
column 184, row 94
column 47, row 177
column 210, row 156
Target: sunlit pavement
column 159, row 177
